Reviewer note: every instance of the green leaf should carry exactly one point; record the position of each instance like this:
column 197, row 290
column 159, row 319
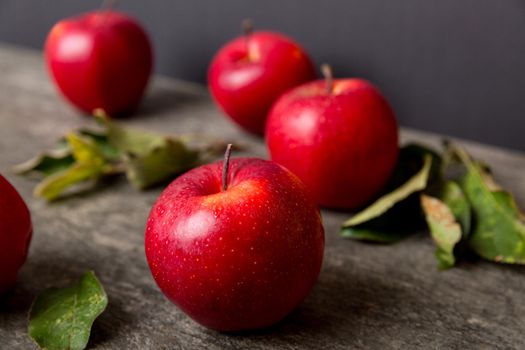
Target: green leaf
column 47, row 163
column 416, row 183
column 411, row 159
column 149, row 158
column 61, row 157
column 448, row 219
column 129, row 140
column 396, row 215
column 89, row 165
column 406, row 182
column 399, row 222
column 62, row 318
column 160, row 164
column 498, row 231
column 84, row 156
column 506, row 200
column 369, row 235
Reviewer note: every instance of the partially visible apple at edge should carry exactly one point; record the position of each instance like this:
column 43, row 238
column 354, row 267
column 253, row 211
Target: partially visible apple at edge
column 15, row 234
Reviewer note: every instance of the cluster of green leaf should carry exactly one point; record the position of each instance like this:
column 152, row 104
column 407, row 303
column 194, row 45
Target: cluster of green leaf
column 83, row 157
column 61, row 318
column 458, row 199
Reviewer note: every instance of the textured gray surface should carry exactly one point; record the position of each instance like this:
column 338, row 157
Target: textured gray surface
column 368, row 296
column 447, row 66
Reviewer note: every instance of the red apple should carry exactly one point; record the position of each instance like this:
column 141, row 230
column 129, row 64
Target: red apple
column 100, row 59
column 15, row 234
column 236, row 256
column 249, row 73
column 339, row 136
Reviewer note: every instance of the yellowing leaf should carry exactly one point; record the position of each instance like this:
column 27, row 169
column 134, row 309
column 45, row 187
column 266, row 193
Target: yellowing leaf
column 88, row 166
column 54, row 186
column 443, row 216
column 149, row 158
column 85, row 150
column 84, row 156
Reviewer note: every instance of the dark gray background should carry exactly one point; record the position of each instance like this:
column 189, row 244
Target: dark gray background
column 451, row 66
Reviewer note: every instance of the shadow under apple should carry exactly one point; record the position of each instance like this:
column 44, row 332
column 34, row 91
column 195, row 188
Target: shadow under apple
column 341, row 302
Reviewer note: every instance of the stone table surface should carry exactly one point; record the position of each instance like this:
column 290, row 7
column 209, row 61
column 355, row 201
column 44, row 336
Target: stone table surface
column 368, row 296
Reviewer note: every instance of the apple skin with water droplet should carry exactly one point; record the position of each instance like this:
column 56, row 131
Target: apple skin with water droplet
column 100, row 59
column 342, row 142
column 15, row 234
column 240, row 258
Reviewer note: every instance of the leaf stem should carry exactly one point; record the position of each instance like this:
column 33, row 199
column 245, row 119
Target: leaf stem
column 225, row 166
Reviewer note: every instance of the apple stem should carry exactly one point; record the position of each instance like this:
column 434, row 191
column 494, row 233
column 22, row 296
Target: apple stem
column 328, row 74
column 225, row 166
column 247, row 27
column 108, row 5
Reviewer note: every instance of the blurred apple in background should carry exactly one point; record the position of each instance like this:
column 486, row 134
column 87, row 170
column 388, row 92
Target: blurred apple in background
column 249, row 73
column 235, row 249
column 101, row 59
column 339, row 136
column 15, row 234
